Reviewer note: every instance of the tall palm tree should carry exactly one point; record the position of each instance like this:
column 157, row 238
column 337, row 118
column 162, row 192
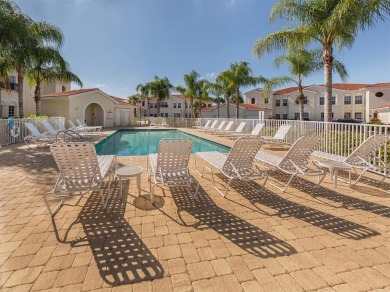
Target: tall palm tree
column 222, row 81
column 144, row 90
column 218, row 91
column 47, row 65
column 39, row 33
column 301, row 63
column 202, row 93
column 237, row 76
column 160, row 88
column 329, row 22
column 190, row 88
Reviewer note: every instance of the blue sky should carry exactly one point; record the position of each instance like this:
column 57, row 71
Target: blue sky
column 117, row 44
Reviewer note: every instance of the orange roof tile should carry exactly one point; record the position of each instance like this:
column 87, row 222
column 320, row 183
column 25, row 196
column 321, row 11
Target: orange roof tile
column 121, row 101
column 286, row 90
column 379, row 84
column 71, row 92
column 349, row 86
column 243, row 105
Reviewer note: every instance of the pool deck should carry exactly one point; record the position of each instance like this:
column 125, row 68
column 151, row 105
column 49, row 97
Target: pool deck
column 306, row 239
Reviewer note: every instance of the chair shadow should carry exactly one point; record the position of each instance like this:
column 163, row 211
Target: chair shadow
column 312, row 216
column 383, row 185
column 346, row 201
column 245, row 235
column 120, row 254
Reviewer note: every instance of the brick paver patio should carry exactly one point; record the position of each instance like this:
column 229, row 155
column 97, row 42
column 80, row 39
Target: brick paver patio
column 308, row 238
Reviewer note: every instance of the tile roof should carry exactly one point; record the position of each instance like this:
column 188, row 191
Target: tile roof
column 71, row 92
column 379, row 84
column 287, row 90
column 122, row 101
column 243, row 105
column 349, row 86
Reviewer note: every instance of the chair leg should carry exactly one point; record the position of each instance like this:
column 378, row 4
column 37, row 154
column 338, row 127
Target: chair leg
column 51, row 212
column 360, row 176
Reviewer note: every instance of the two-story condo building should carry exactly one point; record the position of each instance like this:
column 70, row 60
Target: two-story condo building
column 349, row 101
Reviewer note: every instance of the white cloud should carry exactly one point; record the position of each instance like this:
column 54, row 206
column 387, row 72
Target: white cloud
column 101, row 85
column 211, row 75
column 232, row 2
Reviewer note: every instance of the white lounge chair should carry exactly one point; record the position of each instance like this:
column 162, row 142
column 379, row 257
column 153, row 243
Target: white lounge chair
column 37, row 137
column 238, row 130
column 221, row 130
column 169, row 166
column 81, row 171
column 82, row 124
column 295, row 161
column 361, row 157
column 280, row 134
column 238, row 164
column 153, row 122
column 212, row 127
column 255, row 132
column 164, row 123
column 203, row 127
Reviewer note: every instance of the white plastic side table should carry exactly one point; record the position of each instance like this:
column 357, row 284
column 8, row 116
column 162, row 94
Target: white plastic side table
column 334, row 167
column 127, row 172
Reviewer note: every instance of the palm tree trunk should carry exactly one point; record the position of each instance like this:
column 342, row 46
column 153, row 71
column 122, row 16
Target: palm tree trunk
column 200, row 108
column 185, row 109
column 300, row 99
column 227, row 106
column 148, row 105
column 20, row 91
column 237, row 103
column 218, row 110
column 192, row 107
column 158, row 107
column 37, row 97
column 328, row 61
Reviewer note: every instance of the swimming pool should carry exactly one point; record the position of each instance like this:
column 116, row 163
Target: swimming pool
column 144, row 142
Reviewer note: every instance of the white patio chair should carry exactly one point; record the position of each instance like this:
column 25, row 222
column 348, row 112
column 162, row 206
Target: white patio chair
column 37, row 137
column 82, row 124
column 255, row 132
column 212, row 130
column 238, row 130
column 361, row 157
column 212, row 127
column 153, row 122
column 164, row 122
column 295, row 161
column 81, row 171
column 280, row 134
column 221, row 130
column 203, row 127
column 169, row 166
column 238, row 164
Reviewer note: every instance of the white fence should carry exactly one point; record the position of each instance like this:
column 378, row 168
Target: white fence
column 9, row 137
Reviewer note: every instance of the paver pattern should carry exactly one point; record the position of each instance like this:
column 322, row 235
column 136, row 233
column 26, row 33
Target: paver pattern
column 308, row 238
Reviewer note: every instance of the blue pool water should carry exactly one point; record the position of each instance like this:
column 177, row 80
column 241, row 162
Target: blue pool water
column 144, row 142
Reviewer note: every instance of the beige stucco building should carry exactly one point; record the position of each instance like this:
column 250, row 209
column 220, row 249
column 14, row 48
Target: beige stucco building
column 349, row 101
column 245, row 111
column 92, row 105
column 9, row 97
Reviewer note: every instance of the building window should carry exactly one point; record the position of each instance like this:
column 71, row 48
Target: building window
column 305, row 101
column 176, row 115
column 164, row 104
column 178, row 105
column 358, row 99
column 333, row 100
column 285, row 116
column 296, row 116
column 278, row 102
column 155, row 105
column 347, row 115
column 277, row 116
column 174, row 105
column 347, row 99
column 285, row 102
column 63, row 88
column 253, row 100
column 164, row 115
column 322, row 100
column 11, row 111
column 358, row 115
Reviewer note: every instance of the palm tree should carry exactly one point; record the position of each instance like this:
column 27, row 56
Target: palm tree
column 301, row 63
column 190, row 81
column 330, row 22
column 39, row 33
column 160, row 88
column 134, row 99
column 223, row 82
column 217, row 90
column 202, row 89
column 144, row 90
column 237, row 76
column 47, row 65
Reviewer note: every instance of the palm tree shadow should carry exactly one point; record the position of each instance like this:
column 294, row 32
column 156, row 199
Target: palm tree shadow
column 345, row 201
column 245, row 235
column 120, row 254
column 312, row 216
